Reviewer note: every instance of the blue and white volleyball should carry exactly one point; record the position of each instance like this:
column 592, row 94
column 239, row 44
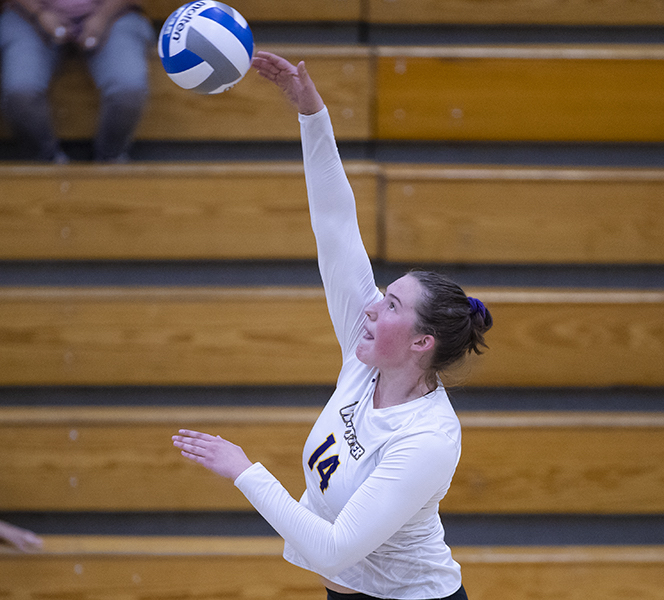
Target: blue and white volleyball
column 206, row 47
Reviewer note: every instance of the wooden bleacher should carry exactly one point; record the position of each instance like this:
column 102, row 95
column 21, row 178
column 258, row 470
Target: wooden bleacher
column 217, row 336
column 122, row 459
column 74, row 460
column 193, row 567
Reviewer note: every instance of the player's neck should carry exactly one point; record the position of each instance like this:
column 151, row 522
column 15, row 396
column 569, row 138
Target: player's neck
column 393, row 389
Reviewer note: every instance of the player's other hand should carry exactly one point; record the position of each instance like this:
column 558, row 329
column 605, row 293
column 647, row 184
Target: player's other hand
column 213, row 452
column 20, row 538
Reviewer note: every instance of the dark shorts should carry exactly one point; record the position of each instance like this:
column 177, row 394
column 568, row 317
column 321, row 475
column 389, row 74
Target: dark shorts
column 460, row 594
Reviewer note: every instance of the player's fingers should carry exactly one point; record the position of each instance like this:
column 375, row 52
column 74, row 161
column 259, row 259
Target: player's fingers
column 264, row 66
column 194, row 457
column 275, row 68
column 278, row 62
column 200, row 443
column 302, row 72
column 260, row 64
column 183, row 442
column 29, row 541
column 183, row 439
column 33, row 539
column 267, row 74
column 197, row 435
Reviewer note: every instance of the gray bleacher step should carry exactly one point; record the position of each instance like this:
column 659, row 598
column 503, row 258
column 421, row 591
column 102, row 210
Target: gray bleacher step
column 463, row 399
column 305, row 273
column 461, row 530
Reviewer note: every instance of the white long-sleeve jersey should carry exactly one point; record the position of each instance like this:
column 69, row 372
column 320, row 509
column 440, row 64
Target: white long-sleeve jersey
column 368, row 519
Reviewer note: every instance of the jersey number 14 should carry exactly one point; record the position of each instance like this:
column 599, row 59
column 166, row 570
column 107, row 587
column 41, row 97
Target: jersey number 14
column 326, row 466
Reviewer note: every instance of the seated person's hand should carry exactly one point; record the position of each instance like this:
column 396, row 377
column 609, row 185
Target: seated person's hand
column 92, row 32
column 54, row 27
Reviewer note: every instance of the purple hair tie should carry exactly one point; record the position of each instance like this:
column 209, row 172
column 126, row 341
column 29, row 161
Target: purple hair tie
column 476, row 306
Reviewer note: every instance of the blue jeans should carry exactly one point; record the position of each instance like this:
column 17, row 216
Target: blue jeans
column 119, row 69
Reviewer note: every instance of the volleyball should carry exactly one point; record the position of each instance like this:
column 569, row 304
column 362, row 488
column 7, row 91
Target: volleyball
column 206, row 46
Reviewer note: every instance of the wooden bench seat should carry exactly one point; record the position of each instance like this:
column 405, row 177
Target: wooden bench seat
column 544, row 93
column 237, row 569
column 116, row 336
column 253, row 110
column 555, row 93
column 440, row 213
column 407, row 213
column 118, row 568
column 167, row 211
column 115, row 459
column 283, row 336
column 519, row 12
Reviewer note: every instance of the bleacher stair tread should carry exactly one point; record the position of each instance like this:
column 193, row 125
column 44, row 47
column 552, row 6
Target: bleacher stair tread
column 58, row 545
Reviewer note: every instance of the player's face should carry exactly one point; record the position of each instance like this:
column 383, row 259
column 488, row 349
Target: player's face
column 389, row 330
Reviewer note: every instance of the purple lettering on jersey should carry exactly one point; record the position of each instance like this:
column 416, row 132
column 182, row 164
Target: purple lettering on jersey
column 347, row 413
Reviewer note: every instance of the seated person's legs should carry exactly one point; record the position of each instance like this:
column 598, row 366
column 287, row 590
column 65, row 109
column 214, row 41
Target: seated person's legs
column 120, row 70
column 28, row 64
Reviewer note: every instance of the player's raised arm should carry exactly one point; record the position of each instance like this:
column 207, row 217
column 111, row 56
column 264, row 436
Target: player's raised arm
column 344, row 264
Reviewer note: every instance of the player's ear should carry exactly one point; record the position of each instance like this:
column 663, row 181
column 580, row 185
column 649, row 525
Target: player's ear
column 424, row 343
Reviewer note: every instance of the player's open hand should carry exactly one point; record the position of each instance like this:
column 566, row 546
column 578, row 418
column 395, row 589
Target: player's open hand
column 293, row 80
column 213, row 452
